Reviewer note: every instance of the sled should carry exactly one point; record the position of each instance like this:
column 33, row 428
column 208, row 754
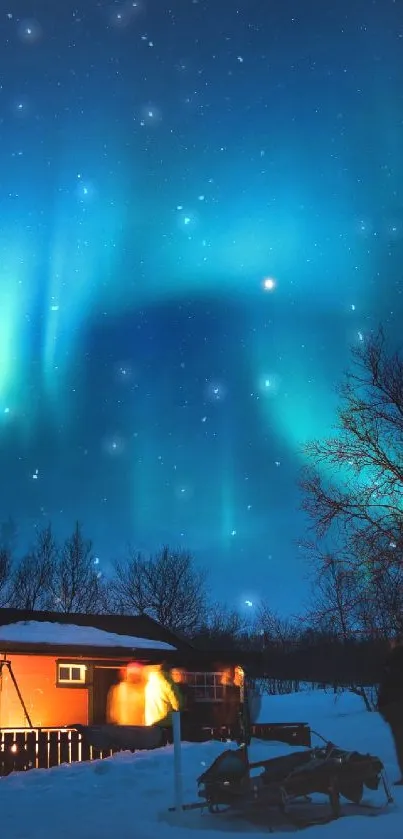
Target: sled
column 275, row 786
column 120, row 737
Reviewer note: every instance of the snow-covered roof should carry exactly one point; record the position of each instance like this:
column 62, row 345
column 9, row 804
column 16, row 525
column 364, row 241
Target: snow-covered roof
column 60, row 634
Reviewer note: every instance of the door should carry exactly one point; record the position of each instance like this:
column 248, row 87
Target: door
column 103, row 679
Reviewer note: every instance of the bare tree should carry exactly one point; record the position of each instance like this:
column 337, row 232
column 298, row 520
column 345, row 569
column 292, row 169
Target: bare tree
column 337, row 595
column 223, row 627
column 281, row 632
column 167, row 586
column 77, row 586
column 128, row 590
column 5, row 575
column 8, row 534
column 381, row 606
column 33, row 578
column 354, row 484
column 357, row 476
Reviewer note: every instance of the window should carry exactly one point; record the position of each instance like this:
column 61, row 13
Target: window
column 206, row 687
column 71, row 674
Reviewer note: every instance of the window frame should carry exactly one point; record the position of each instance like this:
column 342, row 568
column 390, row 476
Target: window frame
column 71, row 665
column 205, row 686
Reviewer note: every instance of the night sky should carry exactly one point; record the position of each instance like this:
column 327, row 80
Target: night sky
column 200, row 212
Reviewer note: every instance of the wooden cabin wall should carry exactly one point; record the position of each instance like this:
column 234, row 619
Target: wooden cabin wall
column 47, row 704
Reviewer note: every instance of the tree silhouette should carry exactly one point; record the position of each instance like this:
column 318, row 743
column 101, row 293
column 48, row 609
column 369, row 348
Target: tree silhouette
column 167, row 586
column 356, row 477
column 222, row 627
column 5, row 576
column 33, row 578
column 353, row 486
column 76, row 586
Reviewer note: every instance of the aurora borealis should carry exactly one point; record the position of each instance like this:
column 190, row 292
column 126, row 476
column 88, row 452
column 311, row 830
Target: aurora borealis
column 158, row 161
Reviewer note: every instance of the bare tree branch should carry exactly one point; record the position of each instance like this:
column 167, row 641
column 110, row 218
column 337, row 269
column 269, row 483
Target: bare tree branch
column 356, row 478
column 167, row 586
column 223, row 628
column 77, row 587
column 353, row 492
column 5, row 576
column 275, row 630
column 33, row 578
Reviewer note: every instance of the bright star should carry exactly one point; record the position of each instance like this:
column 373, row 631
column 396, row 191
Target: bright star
column 114, row 446
column 215, row 391
column 29, row 31
column 269, row 384
column 269, row 283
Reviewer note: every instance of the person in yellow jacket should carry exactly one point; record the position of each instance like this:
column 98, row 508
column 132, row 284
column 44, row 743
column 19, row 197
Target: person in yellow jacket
column 162, row 696
column 125, row 703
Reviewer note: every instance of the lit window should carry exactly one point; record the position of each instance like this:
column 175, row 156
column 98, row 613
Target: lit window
column 206, row 687
column 71, row 674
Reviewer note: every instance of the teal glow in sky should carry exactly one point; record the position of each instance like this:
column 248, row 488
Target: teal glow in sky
column 201, row 210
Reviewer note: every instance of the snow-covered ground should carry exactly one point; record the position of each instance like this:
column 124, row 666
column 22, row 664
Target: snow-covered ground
column 128, row 796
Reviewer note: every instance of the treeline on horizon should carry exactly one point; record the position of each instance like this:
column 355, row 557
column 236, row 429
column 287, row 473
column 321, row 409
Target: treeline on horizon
column 65, row 577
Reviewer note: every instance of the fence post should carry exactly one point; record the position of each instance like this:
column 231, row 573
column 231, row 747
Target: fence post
column 178, row 787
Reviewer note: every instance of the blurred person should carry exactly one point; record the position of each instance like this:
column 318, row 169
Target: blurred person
column 231, row 696
column 390, row 699
column 179, row 677
column 126, row 700
column 162, row 696
column 227, row 711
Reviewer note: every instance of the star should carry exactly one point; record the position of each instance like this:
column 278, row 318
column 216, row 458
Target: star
column 29, row 31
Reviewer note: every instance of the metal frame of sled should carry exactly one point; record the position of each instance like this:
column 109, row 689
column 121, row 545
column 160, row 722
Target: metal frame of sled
column 230, row 785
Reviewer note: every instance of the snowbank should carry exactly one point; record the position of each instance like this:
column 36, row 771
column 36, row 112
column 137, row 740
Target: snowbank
column 60, row 634
column 326, row 703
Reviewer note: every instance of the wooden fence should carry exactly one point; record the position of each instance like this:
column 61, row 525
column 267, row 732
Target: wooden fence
column 43, row 748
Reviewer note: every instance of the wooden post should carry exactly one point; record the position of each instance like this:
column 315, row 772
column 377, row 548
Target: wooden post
column 178, row 786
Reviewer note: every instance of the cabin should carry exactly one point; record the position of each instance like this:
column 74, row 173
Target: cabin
column 57, row 668
column 56, row 671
